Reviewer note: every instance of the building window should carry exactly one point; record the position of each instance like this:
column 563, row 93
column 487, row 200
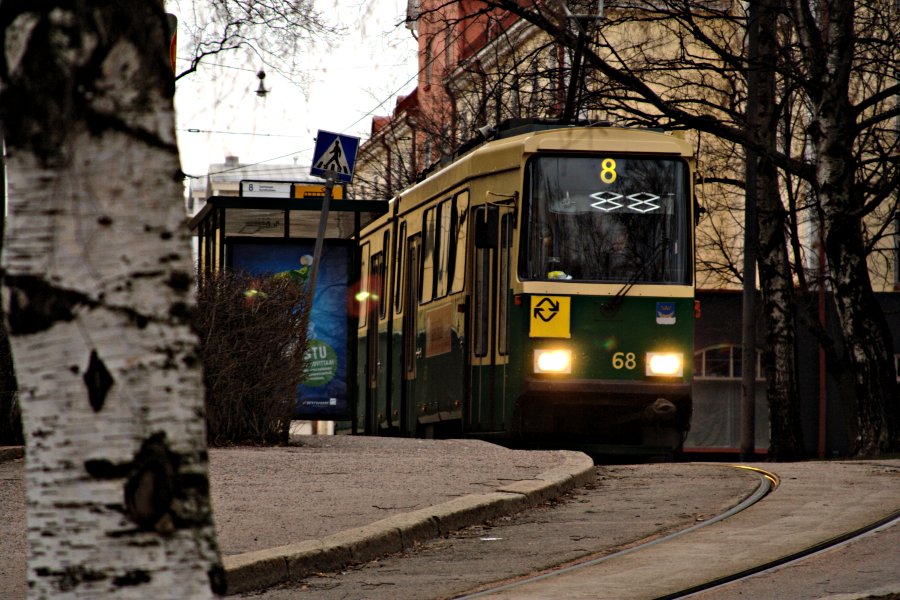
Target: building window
column 426, row 153
column 428, row 61
column 448, row 34
column 722, row 362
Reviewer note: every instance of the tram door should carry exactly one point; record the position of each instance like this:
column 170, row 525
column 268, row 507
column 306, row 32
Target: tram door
column 410, row 350
column 373, row 363
column 489, row 325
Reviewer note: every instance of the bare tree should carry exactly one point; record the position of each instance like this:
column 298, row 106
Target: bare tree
column 848, row 59
column 98, row 282
column 274, row 32
column 387, row 162
column 478, row 67
column 779, row 304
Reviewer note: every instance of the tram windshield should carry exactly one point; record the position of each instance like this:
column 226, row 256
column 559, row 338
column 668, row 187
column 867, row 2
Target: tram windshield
column 606, row 218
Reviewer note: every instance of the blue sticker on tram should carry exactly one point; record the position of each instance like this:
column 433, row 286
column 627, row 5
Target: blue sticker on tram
column 665, row 313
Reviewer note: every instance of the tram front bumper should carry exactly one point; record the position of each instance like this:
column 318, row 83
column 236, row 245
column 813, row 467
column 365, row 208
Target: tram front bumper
column 610, row 411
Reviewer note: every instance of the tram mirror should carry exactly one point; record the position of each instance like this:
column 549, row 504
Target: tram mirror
column 699, row 212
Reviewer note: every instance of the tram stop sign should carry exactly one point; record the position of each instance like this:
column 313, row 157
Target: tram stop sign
column 335, row 154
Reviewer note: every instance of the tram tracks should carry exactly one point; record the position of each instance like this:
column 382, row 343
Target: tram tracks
column 581, row 575
column 768, row 482
column 827, row 545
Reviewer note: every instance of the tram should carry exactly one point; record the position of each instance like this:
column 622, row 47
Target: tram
column 537, row 289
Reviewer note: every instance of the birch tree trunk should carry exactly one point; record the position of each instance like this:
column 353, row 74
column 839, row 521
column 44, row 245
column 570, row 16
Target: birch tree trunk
column 779, row 306
column 828, row 42
column 98, row 292
column 777, row 286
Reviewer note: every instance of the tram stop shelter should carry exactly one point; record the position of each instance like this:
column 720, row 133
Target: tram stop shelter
column 272, row 228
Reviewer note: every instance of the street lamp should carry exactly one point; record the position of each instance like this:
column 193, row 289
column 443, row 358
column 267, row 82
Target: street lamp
column 261, row 91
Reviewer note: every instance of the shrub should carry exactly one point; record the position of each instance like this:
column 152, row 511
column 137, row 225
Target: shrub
column 10, row 414
column 252, row 341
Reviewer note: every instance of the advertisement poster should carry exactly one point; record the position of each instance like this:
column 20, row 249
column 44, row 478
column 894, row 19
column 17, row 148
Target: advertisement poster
column 323, row 395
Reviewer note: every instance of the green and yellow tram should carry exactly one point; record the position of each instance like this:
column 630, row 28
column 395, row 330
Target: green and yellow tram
column 540, row 288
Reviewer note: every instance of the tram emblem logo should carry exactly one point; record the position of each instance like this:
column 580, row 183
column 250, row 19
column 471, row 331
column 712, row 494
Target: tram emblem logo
column 665, row 313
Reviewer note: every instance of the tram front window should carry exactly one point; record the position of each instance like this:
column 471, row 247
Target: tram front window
column 606, row 218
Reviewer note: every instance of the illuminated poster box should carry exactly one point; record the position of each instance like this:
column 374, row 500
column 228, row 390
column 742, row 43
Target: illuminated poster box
column 323, row 395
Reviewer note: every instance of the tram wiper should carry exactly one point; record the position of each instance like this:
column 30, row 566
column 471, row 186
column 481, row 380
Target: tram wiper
column 612, row 306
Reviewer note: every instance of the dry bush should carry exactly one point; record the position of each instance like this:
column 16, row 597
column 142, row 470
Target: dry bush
column 253, row 341
column 10, row 414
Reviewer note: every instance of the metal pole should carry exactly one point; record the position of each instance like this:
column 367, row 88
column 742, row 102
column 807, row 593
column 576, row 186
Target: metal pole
column 748, row 323
column 823, row 379
column 748, row 316
column 330, row 178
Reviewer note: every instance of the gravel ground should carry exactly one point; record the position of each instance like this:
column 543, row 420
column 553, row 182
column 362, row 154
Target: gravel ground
column 320, row 485
column 268, row 497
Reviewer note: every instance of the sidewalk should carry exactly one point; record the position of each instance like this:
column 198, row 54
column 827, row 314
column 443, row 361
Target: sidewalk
column 332, row 500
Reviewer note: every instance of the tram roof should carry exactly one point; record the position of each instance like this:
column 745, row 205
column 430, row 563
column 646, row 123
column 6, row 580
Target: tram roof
column 510, row 147
column 506, row 153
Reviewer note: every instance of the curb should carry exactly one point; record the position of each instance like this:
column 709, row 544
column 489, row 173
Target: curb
column 263, row 568
column 8, row 453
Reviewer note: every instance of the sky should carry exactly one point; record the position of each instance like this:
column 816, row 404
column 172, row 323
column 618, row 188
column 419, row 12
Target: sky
column 372, row 63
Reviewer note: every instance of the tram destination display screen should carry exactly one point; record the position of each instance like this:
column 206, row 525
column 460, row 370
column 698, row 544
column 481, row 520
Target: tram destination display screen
column 607, row 218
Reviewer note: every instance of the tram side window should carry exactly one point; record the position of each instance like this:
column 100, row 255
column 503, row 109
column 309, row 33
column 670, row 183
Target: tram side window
column 375, row 297
column 444, row 252
column 506, row 233
column 485, row 224
column 410, row 285
column 458, row 253
column 382, row 281
column 426, row 292
column 443, row 248
column 481, row 297
column 363, row 284
column 399, row 271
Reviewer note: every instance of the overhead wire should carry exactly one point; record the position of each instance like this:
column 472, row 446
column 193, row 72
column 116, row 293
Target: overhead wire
column 195, row 130
column 369, row 114
column 249, row 70
column 300, row 151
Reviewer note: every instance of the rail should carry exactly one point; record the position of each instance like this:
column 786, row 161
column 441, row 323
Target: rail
column 768, row 482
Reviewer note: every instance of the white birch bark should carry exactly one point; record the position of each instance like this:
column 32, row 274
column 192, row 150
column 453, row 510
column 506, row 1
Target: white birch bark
column 829, row 40
column 98, row 264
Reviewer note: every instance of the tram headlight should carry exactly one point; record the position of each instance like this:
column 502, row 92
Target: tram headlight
column 665, row 364
column 553, row 361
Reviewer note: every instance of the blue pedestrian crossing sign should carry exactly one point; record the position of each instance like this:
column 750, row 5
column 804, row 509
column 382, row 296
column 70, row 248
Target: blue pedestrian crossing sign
column 336, row 154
